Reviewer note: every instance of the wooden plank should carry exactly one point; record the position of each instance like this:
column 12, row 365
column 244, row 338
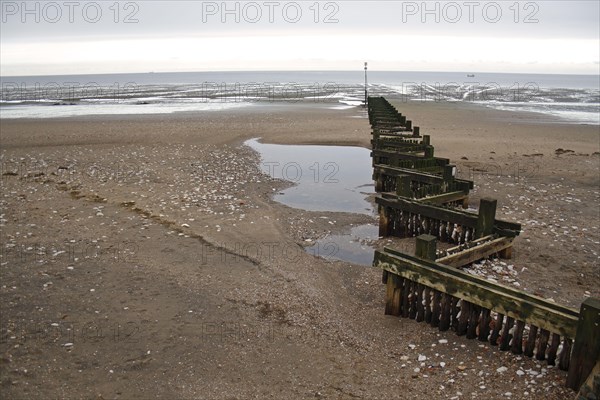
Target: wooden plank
column 436, row 308
column 530, row 345
column 476, row 253
column 565, row 355
column 506, row 336
column 420, row 307
column 517, row 344
column 463, row 319
column 446, row 310
column 428, row 210
column 484, row 282
column 427, row 295
column 484, row 325
column 444, row 198
column 406, row 156
column 459, row 217
column 413, row 300
column 540, row 354
column 505, row 300
column 472, row 243
column 553, row 349
column 405, row 304
column 392, row 284
column 497, row 329
column 473, row 321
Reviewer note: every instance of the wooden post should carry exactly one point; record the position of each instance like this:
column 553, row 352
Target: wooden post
column 429, row 152
column 487, row 217
column 409, row 125
column 426, row 247
column 586, row 349
column 393, row 295
column 416, row 131
column 384, row 221
column 403, row 188
column 448, row 173
column 378, row 177
column 448, row 176
column 426, row 140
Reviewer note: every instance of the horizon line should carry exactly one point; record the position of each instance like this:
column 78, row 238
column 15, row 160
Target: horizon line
column 361, row 70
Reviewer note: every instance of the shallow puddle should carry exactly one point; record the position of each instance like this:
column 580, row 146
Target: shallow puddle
column 353, row 247
column 327, row 178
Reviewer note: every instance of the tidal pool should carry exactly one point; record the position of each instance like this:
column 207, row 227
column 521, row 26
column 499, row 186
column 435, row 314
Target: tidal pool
column 327, row 178
column 353, row 247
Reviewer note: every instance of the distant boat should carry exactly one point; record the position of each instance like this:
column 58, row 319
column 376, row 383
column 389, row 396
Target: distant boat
column 470, row 75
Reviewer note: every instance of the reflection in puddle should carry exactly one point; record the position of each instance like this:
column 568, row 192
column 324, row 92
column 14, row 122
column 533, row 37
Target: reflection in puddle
column 353, row 247
column 327, row 178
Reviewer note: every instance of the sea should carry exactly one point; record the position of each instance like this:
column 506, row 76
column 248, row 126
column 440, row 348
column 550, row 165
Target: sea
column 570, row 98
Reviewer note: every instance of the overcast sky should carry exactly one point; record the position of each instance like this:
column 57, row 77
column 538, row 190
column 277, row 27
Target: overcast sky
column 80, row 37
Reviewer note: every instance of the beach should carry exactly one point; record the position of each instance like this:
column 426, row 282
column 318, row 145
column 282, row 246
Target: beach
column 146, row 256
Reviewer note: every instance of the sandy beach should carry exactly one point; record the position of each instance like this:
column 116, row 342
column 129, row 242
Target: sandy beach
column 145, row 257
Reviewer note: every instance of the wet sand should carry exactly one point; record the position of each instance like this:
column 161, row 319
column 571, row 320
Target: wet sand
column 154, row 246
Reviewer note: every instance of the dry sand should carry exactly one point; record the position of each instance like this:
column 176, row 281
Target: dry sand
column 144, row 257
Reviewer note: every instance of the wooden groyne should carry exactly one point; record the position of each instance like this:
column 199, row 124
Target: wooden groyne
column 420, row 196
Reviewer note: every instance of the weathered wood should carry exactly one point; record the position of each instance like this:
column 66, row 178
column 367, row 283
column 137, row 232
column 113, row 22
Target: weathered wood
column 419, row 176
column 405, row 303
column 428, row 152
column 394, row 155
column 445, row 312
column 427, row 295
column 473, row 321
column 486, row 217
column 586, row 349
column 564, row 359
column 505, row 253
column 413, row 300
column 530, row 346
column 454, row 313
column 476, row 253
column 392, row 303
column 460, row 217
column 497, row 329
column 384, row 277
column 517, row 342
column 463, row 319
column 436, row 308
column 503, row 299
column 420, row 307
column 384, row 221
column 444, row 198
column 506, row 336
column 540, row 353
column 552, row 350
column 472, row 243
column 403, row 186
column 448, row 173
column 484, row 325
column 426, row 247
